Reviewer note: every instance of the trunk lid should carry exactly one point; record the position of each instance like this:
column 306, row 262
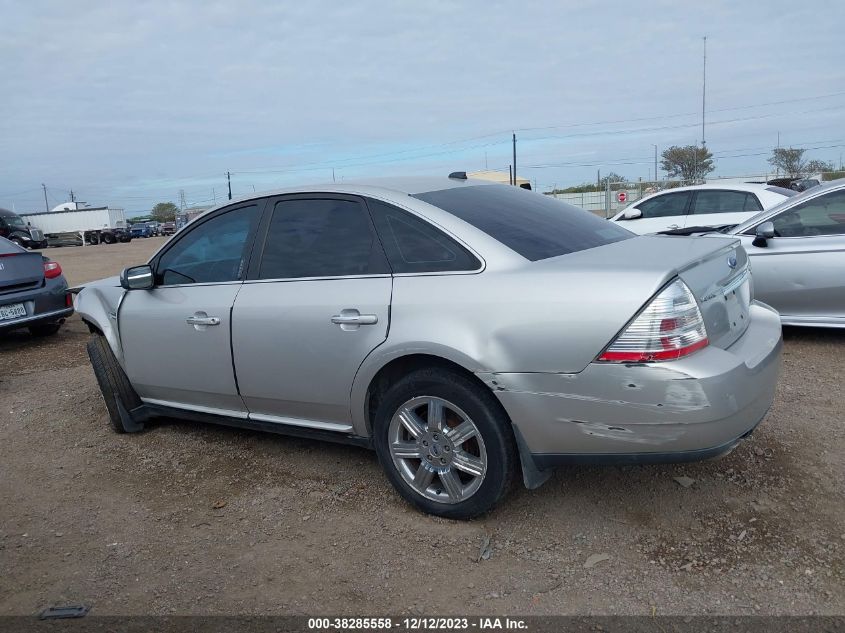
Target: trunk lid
column 20, row 270
column 715, row 270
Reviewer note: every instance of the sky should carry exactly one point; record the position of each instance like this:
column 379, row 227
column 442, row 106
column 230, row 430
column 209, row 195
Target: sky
column 129, row 103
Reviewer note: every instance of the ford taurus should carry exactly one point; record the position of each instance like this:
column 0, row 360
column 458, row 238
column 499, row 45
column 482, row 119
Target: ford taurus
column 471, row 333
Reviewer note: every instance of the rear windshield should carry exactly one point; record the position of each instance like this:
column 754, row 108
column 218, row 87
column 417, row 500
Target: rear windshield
column 533, row 225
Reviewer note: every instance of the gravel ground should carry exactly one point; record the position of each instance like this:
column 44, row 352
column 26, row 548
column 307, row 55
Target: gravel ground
column 186, row 518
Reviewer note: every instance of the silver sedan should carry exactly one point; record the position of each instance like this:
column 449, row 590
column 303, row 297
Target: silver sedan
column 797, row 252
column 471, row 333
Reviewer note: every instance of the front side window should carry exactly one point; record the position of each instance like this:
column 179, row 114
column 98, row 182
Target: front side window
column 415, row 246
column 532, row 225
column 665, row 206
column 213, row 252
column 719, row 201
column 823, row 215
column 320, row 238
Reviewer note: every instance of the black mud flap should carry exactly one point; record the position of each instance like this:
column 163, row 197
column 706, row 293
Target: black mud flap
column 532, row 476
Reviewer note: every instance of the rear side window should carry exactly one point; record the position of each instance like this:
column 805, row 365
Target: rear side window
column 723, row 201
column 665, row 206
column 533, row 225
column 415, row 246
column 320, row 238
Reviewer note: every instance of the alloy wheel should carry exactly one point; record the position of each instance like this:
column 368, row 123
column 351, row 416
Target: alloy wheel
column 437, row 449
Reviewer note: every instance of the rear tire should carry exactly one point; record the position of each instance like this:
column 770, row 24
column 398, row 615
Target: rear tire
column 114, row 384
column 47, row 329
column 459, row 474
column 17, row 241
column 108, row 238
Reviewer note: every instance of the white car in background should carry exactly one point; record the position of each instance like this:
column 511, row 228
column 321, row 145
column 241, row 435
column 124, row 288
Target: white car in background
column 711, row 205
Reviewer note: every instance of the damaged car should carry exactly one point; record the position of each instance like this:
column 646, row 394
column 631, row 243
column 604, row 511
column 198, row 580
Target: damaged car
column 471, row 333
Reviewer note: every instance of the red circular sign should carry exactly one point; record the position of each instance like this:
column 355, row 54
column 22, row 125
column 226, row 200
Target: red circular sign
column 621, row 196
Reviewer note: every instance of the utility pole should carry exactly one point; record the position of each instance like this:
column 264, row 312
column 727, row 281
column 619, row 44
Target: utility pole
column 229, row 181
column 703, row 91
column 655, row 164
column 46, row 206
column 333, row 180
column 214, row 195
column 514, row 158
column 510, row 174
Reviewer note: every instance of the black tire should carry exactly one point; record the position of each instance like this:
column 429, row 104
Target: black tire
column 46, row 329
column 108, row 238
column 17, row 241
column 487, row 415
column 114, row 384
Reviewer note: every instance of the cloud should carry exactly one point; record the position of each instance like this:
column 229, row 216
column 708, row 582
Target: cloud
column 139, row 99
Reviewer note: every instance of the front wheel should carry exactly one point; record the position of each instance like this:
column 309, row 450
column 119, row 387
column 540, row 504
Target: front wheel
column 445, row 443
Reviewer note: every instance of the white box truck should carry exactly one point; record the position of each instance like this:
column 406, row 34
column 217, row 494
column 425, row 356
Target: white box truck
column 94, row 225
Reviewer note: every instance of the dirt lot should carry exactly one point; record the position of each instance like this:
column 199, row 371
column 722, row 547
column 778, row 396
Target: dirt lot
column 185, row 518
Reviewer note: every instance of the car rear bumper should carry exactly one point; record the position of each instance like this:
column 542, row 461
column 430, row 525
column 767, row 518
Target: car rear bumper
column 43, row 305
column 694, row 408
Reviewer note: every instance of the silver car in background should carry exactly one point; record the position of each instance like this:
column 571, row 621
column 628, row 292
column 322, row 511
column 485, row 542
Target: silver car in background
column 466, row 331
column 797, row 252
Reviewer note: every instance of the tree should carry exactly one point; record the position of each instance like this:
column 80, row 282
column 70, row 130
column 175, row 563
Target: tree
column 164, row 212
column 611, row 178
column 818, row 167
column 690, row 162
column 788, row 159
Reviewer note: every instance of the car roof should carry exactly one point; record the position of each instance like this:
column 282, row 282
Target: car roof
column 735, row 186
column 408, row 185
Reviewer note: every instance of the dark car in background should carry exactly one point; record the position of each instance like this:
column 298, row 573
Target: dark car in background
column 141, row 229
column 168, row 228
column 33, row 291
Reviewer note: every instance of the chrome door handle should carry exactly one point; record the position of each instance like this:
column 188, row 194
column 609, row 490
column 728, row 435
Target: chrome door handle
column 360, row 319
column 674, row 226
column 202, row 320
column 350, row 319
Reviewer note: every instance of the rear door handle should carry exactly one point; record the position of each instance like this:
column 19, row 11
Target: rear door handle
column 201, row 319
column 351, row 319
column 674, row 226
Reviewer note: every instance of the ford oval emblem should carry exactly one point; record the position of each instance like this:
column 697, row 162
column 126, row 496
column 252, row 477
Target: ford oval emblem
column 732, row 262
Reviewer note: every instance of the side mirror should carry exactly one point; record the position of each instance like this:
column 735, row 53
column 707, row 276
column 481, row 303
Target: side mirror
column 764, row 232
column 632, row 214
column 137, row 278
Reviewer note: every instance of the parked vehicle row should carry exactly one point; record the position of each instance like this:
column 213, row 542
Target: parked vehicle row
column 420, row 319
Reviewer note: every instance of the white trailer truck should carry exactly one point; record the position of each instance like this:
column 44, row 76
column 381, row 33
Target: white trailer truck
column 88, row 225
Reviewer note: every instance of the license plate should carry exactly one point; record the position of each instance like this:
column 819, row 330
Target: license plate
column 12, row 311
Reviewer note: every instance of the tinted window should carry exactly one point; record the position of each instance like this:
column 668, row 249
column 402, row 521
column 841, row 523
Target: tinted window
column 415, row 246
column 824, row 215
column 320, row 238
column 665, row 206
column 719, row 201
column 533, row 225
column 214, row 251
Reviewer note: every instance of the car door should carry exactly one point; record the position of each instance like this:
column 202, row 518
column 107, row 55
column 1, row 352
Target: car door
column 718, row 207
column 316, row 304
column 176, row 336
column 663, row 212
column 801, row 271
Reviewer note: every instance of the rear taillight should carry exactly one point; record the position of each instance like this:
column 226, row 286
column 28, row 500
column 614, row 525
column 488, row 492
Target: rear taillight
column 670, row 327
column 52, row 270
